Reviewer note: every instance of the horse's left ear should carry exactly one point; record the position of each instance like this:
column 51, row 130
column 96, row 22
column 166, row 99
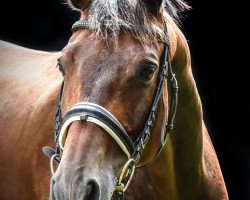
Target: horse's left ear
column 80, row 4
column 154, row 6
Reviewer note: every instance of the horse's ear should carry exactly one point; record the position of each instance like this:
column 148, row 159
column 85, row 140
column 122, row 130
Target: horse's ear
column 80, row 4
column 154, row 6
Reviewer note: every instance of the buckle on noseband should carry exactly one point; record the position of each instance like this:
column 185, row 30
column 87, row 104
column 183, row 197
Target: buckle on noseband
column 126, row 176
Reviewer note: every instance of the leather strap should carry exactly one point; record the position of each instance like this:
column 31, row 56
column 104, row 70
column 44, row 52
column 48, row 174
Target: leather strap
column 85, row 111
column 50, row 152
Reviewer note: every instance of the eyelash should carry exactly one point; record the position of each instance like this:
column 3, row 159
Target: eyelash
column 148, row 73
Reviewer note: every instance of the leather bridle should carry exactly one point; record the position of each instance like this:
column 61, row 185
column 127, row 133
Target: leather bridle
column 90, row 112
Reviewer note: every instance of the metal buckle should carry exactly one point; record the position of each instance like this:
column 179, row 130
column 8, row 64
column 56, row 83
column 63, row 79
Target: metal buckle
column 126, row 176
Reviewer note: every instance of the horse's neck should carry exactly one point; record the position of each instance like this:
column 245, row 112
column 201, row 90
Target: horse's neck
column 181, row 159
column 188, row 167
column 190, row 154
column 183, row 155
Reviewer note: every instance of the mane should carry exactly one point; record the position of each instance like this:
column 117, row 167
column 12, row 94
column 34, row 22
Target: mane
column 175, row 7
column 108, row 17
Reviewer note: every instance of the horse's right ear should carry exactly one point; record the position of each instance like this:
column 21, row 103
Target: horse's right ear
column 80, row 4
column 154, row 6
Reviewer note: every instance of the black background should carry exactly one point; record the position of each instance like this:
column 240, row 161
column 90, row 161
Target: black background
column 219, row 43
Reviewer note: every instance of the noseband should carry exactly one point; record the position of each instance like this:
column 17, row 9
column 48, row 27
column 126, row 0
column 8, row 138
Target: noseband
column 98, row 115
column 90, row 112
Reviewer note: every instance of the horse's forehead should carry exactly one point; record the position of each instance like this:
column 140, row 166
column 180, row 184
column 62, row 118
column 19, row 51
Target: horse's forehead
column 126, row 45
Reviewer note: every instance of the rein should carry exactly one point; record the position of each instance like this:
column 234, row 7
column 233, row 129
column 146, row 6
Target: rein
column 86, row 111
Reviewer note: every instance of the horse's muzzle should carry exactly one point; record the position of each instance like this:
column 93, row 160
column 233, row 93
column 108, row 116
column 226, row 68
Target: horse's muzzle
column 76, row 191
column 81, row 185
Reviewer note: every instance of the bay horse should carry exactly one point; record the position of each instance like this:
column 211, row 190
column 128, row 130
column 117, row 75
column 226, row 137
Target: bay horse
column 115, row 89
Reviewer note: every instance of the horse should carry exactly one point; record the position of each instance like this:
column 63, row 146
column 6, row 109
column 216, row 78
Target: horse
column 113, row 88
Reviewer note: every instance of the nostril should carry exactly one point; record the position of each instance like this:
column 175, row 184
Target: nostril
column 92, row 191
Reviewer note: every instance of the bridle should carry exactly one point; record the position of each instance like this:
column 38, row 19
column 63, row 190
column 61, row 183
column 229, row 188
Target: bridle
column 90, row 112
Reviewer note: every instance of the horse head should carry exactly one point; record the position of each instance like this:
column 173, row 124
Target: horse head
column 112, row 72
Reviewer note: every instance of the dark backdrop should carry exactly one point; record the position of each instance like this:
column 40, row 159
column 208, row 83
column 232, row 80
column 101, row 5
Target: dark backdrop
column 219, row 43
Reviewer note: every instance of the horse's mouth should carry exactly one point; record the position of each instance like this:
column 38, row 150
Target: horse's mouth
column 91, row 192
column 51, row 195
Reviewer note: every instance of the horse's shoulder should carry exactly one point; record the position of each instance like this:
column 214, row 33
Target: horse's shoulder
column 213, row 183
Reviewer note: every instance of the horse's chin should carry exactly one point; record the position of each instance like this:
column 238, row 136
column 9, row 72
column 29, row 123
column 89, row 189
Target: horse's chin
column 51, row 195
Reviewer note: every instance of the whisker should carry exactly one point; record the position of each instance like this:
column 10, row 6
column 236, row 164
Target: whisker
column 43, row 181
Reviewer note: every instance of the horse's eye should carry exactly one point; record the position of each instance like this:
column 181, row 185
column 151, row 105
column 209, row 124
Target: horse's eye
column 147, row 72
column 61, row 65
